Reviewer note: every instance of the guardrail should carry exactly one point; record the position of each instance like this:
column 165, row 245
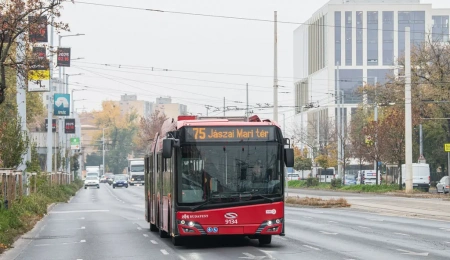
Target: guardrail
column 16, row 184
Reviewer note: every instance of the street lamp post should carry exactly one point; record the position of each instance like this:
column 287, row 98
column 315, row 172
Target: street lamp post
column 62, row 90
column 103, row 143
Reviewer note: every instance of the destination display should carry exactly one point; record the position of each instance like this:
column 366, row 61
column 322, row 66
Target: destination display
column 229, row 133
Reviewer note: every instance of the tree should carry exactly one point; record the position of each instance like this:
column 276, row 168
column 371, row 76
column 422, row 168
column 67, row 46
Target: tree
column 120, row 131
column 93, row 159
column 13, row 142
column 148, row 128
column 15, row 16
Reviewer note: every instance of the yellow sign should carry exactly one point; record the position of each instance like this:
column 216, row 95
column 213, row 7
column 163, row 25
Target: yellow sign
column 447, row 147
column 38, row 75
column 230, row 133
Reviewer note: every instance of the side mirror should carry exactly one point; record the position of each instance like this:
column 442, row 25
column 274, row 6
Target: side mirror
column 289, row 157
column 167, row 148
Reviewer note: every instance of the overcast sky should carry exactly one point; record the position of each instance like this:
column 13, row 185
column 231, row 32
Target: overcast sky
column 199, row 52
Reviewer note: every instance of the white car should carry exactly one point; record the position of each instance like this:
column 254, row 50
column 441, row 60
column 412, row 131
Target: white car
column 92, row 181
column 443, row 185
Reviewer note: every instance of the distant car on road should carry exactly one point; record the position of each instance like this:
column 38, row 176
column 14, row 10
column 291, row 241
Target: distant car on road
column 120, row 181
column 103, row 179
column 92, row 181
column 443, row 185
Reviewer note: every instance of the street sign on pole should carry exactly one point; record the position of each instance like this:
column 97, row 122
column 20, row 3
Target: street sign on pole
column 447, row 148
column 63, row 57
column 69, row 126
column 75, row 143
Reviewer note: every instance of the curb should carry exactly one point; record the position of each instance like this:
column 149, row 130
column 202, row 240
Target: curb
column 50, row 207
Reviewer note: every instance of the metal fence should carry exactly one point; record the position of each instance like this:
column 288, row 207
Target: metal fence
column 16, row 184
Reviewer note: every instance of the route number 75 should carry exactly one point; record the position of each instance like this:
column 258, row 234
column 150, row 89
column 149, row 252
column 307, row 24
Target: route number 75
column 199, row 133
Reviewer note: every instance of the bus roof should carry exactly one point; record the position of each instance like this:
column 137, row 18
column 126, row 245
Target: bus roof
column 221, row 122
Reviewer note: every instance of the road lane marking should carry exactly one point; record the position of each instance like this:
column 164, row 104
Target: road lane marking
column 447, row 242
column 446, row 229
column 164, row 252
column 401, row 234
column 83, row 228
column 331, row 221
column 139, row 228
column 364, row 227
column 83, row 241
column 145, row 235
column 154, row 242
column 375, row 219
column 311, row 247
column 328, row 233
column 58, row 244
column 79, row 211
column 250, row 256
column 405, row 252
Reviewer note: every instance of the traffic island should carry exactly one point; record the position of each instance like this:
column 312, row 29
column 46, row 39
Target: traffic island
column 316, row 202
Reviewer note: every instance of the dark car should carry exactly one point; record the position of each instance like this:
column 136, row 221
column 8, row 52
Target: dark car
column 109, row 178
column 120, row 181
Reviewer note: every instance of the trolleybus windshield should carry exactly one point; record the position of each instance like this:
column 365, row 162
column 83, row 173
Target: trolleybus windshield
column 229, row 172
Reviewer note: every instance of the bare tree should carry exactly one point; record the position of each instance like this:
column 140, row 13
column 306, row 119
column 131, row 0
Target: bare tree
column 23, row 18
column 148, row 127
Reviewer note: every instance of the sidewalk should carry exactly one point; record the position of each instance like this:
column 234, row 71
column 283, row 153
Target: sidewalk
column 427, row 208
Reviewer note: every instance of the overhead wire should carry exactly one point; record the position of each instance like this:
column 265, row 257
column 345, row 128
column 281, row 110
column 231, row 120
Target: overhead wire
column 241, row 18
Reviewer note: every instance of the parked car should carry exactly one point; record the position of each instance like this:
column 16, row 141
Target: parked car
column 120, row 181
column 292, row 177
column 350, row 180
column 443, row 185
column 92, row 181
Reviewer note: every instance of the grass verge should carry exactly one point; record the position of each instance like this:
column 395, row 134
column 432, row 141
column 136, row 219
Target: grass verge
column 23, row 214
column 318, row 202
column 351, row 188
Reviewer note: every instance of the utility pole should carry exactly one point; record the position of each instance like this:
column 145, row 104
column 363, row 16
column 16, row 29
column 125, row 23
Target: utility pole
column 103, row 143
column 246, row 111
column 376, row 130
column 408, row 113
column 21, row 99
column 50, row 105
column 275, row 72
column 338, row 121
column 284, row 126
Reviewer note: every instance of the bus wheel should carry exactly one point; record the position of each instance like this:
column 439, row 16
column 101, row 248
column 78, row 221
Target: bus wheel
column 265, row 239
column 177, row 241
column 153, row 227
column 162, row 233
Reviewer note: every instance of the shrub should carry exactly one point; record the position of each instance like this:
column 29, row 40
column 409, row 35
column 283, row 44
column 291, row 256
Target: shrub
column 312, row 182
column 336, row 183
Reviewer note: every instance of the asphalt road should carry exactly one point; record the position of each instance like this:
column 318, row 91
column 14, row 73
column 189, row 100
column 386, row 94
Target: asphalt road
column 109, row 224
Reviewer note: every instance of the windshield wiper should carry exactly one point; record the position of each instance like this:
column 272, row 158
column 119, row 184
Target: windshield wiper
column 201, row 205
column 262, row 196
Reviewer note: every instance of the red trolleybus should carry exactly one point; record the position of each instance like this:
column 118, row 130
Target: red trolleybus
column 207, row 177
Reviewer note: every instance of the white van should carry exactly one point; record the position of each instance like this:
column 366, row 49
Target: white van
column 421, row 175
column 368, row 177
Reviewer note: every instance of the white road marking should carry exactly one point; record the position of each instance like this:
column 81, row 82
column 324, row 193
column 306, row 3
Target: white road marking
column 405, row 252
column 83, row 241
column 282, row 238
column 331, row 221
column 250, row 256
column 83, row 228
column 154, row 242
column 364, row 227
column 375, row 219
column 164, row 252
column 328, row 233
column 145, row 235
column 58, row 244
column 446, row 229
column 139, row 228
column 79, row 211
column 311, row 247
column 447, row 242
column 401, row 234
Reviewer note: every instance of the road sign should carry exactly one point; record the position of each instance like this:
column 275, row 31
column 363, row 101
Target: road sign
column 447, row 147
column 75, row 143
column 63, row 57
column 61, row 104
